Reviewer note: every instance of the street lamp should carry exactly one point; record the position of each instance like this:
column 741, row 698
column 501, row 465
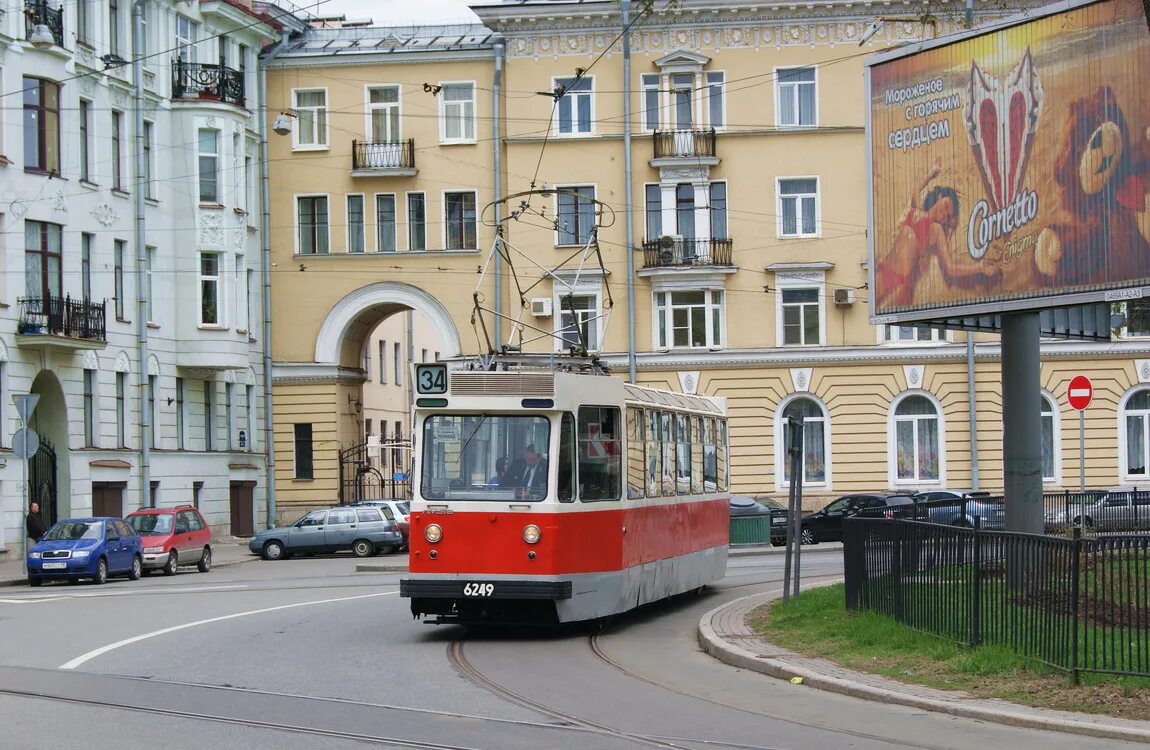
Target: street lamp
column 42, row 37
column 282, row 125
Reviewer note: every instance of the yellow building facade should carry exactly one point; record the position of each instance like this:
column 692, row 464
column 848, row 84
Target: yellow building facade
column 747, row 217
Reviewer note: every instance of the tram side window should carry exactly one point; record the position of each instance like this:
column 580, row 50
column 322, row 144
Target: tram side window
column 635, row 446
column 721, row 452
column 682, row 454
column 697, row 455
column 600, row 459
column 654, row 452
column 567, row 475
column 710, row 460
column 667, row 444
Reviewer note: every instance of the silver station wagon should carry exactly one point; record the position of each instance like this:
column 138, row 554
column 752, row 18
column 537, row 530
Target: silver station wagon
column 363, row 530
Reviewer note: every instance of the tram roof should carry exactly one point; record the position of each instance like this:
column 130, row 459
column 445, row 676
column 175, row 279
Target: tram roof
column 671, row 399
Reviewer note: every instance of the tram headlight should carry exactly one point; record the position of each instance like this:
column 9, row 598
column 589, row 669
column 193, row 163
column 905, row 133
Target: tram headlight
column 433, row 533
column 531, row 533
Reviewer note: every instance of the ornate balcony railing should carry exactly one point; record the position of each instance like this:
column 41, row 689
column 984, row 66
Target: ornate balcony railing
column 38, row 12
column 206, row 81
column 684, row 143
column 668, row 252
column 63, row 316
column 383, row 155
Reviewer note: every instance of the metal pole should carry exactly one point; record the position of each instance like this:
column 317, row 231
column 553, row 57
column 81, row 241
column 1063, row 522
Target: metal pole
column 1082, row 450
column 629, row 250
column 147, row 419
column 797, row 473
column 790, row 539
column 497, row 143
column 970, row 14
column 24, row 495
column 972, row 416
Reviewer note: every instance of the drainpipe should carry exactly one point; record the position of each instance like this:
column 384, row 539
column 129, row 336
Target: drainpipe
column 265, row 272
column 973, row 415
column 496, row 139
column 629, row 250
column 146, row 417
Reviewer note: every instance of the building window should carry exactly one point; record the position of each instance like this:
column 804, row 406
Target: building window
column 576, row 213
column 153, row 428
column 459, row 217
column 650, row 93
column 209, row 165
column 118, row 248
column 689, row 319
column 416, row 221
column 229, row 424
column 210, row 289
column 114, row 27
column 815, row 443
column 383, row 362
column 249, row 289
column 86, row 241
column 197, row 492
column 180, row 413
column 578, row 312
column 654, row 211
column 154, row 494
column 186, row 33
column 83, row 23
column 383, row 113
column 149, row 186
column 917, row 441
column 398, row 360
column 715, row 105
column 682, row 106
column 718, row 196
column 209, row 414
column 121, row 410
column 911, row 334
column 85, row 137
column 798, row 201
column 311, row 125
column 801, row 313
column 90, row 408
column 118, row 151
column 385, row 223
column 574, row 108
column 1136, row 420
column 150, row 260
column 355, row 224
column 1136, row 316
column 685, row 210
column 311, row 212
column 251, row 181
column 236, row 290
column 796, row 97
column 42, row 260
column 250, row 402
column 457, row 113
column 41, row 125
column 303, row 457
column 423, row 356
column 1049, row 441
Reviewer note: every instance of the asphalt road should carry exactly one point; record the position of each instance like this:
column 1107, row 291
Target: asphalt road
column 306, row 653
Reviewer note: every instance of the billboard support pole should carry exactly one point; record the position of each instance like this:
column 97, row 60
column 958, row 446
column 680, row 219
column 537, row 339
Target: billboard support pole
column 1021, row 424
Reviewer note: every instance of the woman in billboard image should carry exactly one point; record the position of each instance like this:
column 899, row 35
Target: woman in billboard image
column 925, row 234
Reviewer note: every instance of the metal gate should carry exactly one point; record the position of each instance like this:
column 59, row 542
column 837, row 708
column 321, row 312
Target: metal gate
column 375, row 471
column 42, row 481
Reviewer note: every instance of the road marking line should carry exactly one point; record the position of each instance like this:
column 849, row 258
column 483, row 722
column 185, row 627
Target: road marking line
column 79, row 660
column 38, row 599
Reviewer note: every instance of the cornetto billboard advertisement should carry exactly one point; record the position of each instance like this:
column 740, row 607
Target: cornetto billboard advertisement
column 1011, row 169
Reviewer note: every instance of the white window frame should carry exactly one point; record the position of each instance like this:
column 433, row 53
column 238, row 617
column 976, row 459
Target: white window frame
column 221, row 305
column 1123, row 456
column 200, row 155
column 892, row 443
column 644, row 88
column 781, row 455
column 574, row 98
column 394, row 222
column 407, row 219
column 86, row 138
column 323, row 139
column 938, row 336
column 443, row 204
column 251, row 180
column 592, row 291
column 362, row 223
column 187, row 43
column 296, row 221
column 666, row 312
column 1056, row 435
column 370, row 108
column 798, row 207
column 555, row 212
column 722, row 85
column 779, row 85
column 443, row 106
column 149, row 186
column 800, row 280
column 149, row 281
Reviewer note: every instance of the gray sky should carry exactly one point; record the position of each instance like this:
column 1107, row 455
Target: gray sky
column 394, row 12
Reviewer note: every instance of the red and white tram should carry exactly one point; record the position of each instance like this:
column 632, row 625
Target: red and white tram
column 611, row 496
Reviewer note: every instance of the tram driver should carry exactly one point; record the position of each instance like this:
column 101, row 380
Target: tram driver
column 529, row 472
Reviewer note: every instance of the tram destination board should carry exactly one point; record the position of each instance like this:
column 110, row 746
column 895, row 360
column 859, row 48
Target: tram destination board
column 431, row 379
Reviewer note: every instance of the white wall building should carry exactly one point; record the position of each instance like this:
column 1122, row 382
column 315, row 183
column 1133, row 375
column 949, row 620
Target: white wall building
column 131, row 292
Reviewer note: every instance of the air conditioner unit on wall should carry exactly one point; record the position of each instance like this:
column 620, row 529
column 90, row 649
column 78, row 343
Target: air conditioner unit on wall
column 844, row 296
column 541, row 307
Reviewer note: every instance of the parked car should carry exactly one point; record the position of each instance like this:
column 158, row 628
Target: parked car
column 363, row 530
column 173, row 537
column 742, row 505
column 962, row 507
column 394, row 510
column 1118, row 509
column 826, row 525
column 77, row 548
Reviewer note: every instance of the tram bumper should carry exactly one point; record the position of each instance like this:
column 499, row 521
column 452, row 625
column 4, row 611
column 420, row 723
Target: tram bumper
column 492, row 600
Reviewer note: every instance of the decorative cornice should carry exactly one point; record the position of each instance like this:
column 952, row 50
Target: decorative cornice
column 313, row 373
column 110, row 463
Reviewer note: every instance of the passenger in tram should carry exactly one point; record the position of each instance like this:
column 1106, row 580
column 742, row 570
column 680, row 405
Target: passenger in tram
column 529, row 472
column 496, row 479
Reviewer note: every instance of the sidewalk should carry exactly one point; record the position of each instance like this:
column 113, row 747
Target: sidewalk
column 225, row 552
column 723, row 633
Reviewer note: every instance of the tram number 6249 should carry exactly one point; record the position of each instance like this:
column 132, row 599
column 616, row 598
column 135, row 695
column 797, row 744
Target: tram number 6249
column 478, row 589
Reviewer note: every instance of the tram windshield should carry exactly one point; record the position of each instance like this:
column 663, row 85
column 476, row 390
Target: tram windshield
column 484, row 457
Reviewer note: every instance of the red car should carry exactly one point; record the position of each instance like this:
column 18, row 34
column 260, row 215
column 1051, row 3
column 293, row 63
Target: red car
column 173, row 537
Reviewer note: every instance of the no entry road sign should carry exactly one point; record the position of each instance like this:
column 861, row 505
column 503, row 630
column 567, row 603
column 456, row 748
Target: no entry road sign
column 1080, row 392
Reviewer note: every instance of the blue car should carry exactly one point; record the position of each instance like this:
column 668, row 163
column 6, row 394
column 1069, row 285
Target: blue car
column 94, row 548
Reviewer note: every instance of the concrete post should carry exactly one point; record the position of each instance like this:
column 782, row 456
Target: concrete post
column 1022, row 422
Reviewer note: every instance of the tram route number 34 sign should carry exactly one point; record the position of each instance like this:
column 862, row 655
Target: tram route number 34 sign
column 431, row 378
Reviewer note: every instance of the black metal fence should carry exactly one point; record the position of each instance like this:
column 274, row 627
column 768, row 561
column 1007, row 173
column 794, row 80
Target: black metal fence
column 1077, row 604
column 684, row 143
column 62, row 316
column 1097, row 511
column 687, row 251
column 383, row 155
column 207, row 81
column 375, row 470
column 38, row 13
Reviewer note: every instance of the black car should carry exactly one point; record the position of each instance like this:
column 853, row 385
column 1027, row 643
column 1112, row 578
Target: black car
column 826, row 525
column 741, row 505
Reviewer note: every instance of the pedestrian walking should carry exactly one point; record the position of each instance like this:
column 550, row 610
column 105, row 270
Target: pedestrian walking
column 34, row 524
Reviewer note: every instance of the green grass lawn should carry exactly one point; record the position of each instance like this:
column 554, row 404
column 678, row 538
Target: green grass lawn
column 818, row 624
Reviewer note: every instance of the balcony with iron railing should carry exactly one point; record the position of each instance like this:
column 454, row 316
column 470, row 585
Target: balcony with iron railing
column 207, row 82
column 691, row 144
column 383, row 158
column 62, row 322
column 681, row 252
column 37, row 13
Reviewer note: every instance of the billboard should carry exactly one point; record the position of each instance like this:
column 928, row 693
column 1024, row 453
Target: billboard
column 1010, row 167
